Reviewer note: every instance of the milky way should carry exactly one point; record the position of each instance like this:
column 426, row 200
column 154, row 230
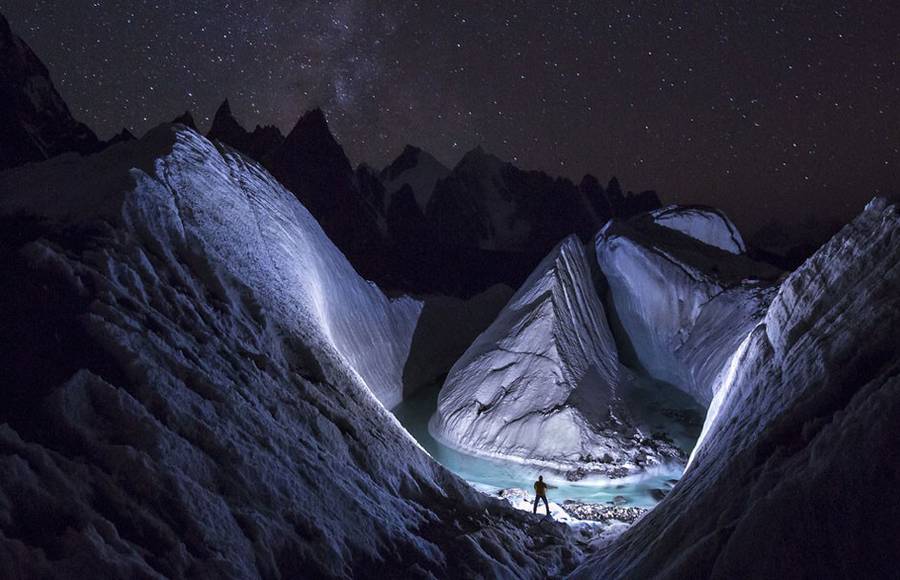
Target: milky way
column 770, row 110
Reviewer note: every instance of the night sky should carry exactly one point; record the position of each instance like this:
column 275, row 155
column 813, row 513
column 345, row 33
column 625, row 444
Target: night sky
column 769, row 110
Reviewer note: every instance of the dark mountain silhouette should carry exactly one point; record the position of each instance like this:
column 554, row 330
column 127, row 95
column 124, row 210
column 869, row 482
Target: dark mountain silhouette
column 186, row 119
column 614, row 195
column 416, row 168
column 35, row 123
column 491, row 204
column 407, row 160
column 596, row 199
column 259, row 144
column 371, row 188
column 313, row 165
column 122, row 136
column 414, row 226
column 406, row 223
column 635, row 203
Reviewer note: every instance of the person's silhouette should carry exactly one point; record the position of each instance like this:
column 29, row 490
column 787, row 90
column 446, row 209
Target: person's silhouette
column 540, row 493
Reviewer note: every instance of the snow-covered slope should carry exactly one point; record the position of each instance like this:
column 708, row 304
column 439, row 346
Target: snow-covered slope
column 185, row 360
column 706, row 224
column 258, row 232
column 683, row 306
column 540, row 384
column 795, row 473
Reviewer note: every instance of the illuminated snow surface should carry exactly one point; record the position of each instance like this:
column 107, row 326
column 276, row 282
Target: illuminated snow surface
column 683, row 306
column 187, row 365
column 796, row 471
column 183, row 396
column 251, row 229
column 542, row 384
column 706, row 224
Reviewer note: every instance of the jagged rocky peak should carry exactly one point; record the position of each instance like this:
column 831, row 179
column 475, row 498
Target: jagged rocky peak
column 311, row 139
column 416, row 168
column 186, row 119
column 809, row 407
column 122, row 136
column 258, row 145
column 312, row 127
column 35, row 123
column 225, row 126
column 682, row 305
column 313, row 165
column 477, row 159
column 596, row 198
column 407, row 160
column 707, row 224
column 541, row 383
column 493, row 205
column 264, row 140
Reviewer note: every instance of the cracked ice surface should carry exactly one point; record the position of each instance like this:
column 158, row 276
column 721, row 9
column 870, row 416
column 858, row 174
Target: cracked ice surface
column 539, row 385
column 683, row 306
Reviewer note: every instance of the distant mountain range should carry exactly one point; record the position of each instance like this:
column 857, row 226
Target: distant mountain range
column 413, row 226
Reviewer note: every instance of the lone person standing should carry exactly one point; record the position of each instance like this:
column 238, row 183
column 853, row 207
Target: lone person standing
column 540, row 492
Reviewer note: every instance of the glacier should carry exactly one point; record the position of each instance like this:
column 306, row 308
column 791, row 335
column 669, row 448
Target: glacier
column 253, row 229
column 800, row 444
column 541, row 384
column 706, row 224
column 680, row 305
column 195, row 383
column 189, row 377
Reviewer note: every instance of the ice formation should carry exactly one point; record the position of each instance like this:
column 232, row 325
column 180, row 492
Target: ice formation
column 180, row 398
column 706, row 224
column 539, row 385
column 683, row 306
column 202, row 201
column 186, row 361
column 800, row 443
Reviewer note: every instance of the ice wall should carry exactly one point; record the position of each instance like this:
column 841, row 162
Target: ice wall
column 795, row 472
column 221, row 205
column 181, row 399
column 683, row 305
column 540, row 384
column 707, row 224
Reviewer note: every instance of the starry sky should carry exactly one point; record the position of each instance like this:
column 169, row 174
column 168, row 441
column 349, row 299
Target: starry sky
column 770, row 110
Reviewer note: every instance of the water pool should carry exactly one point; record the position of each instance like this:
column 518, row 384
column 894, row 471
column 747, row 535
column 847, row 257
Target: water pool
column 652, row 406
